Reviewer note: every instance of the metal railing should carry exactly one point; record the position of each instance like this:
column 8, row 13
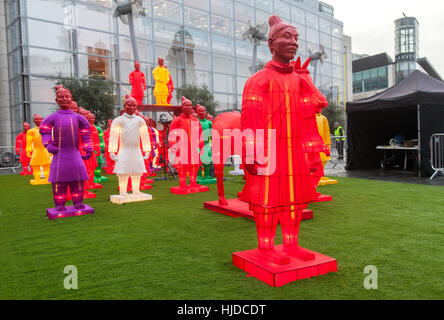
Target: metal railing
column 437, row 153
column 338, row 157
column 9, row 160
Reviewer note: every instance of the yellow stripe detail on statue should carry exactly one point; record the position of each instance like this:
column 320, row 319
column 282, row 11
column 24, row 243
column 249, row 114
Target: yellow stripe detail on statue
column 269, row 125
column 290, row 155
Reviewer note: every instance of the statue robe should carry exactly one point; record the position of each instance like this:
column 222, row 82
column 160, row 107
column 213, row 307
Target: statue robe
column 272, row 101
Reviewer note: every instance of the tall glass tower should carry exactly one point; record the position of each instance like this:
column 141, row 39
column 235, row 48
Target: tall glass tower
column 406, row 46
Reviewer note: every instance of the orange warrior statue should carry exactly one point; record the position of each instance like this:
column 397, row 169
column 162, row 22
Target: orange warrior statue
column 162, row 78
column 20, row 149
column 279, row 184
column 137, row 80
column 185, row 141
column 40, row 156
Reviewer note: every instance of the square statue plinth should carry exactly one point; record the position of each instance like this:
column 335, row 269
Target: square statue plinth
column 189, row 189
column 239, row 172
column 120, row 199
column 327, row 181
column 39, row 182
column 276, row 275
column 237, row 208
column 206, row 180
column 70, row 211
column 323, row 198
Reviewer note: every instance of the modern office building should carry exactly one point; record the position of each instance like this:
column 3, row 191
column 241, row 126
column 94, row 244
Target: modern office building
column 374, row 74
column 201, row 41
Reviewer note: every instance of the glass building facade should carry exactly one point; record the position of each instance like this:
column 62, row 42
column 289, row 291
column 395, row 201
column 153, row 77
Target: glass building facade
column 370, row 80
column 201, row 41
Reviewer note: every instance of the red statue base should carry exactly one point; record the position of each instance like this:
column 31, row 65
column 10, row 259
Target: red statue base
column 323, row 198
column 254, row 264
column 237, row 208
column 189, row 189
column 70, row 211
column 93, row 186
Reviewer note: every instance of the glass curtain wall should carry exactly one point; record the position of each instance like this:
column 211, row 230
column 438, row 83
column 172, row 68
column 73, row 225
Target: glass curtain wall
column 200, row 40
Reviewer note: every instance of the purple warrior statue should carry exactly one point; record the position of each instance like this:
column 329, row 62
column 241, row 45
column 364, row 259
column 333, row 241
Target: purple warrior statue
column 60, row 135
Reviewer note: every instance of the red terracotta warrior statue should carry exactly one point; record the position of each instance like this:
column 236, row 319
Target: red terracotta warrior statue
column 279, row 184
column 280, row 188
column 185, row 141
column 20, row 149
column 138, row 82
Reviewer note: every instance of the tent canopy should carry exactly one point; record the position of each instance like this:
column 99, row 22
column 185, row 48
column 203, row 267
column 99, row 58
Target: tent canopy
column 375, row 120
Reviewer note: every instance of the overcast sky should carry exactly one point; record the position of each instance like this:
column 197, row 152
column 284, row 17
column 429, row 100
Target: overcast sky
column 370, row 23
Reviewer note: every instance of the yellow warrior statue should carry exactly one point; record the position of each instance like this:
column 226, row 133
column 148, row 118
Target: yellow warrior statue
column 324, row 131
column 161, row 77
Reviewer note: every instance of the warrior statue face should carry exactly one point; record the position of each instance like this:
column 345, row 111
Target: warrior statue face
column 26, row 127
column 201, row 112
column 160, row 61
column 137, row 65
column 282, row 40
column 91, row 118
column 285, row 45
column 130, row 106
column 187, row 109
column 37, row 119
column 64, row 99
column 110, row 122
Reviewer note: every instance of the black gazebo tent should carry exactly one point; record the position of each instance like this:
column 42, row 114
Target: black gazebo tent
column 414, row 108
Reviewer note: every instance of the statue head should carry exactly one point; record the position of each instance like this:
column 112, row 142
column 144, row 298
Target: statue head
column 63, row 98
column 26, row 126
column 37, row 119
column 110, row 122
column 201, row 112
column 137, row 65
column 187, row 106
column 91, row 118
column 282, row 40
column 160, row 61
column 130, row 105
column 74, row 106
column 83, row 112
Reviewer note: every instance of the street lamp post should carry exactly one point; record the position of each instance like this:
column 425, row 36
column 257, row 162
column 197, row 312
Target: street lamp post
column 315, row 58
column 256, row 35
column 127, row 10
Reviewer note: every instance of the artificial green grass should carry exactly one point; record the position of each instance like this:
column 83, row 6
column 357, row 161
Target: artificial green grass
column 173, row 248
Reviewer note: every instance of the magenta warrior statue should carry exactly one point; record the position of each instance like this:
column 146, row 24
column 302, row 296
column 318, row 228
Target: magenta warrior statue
column 60, row 134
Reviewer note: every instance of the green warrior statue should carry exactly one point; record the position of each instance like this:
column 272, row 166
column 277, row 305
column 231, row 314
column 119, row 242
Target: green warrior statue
column 98, row 172
column 206, row 156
